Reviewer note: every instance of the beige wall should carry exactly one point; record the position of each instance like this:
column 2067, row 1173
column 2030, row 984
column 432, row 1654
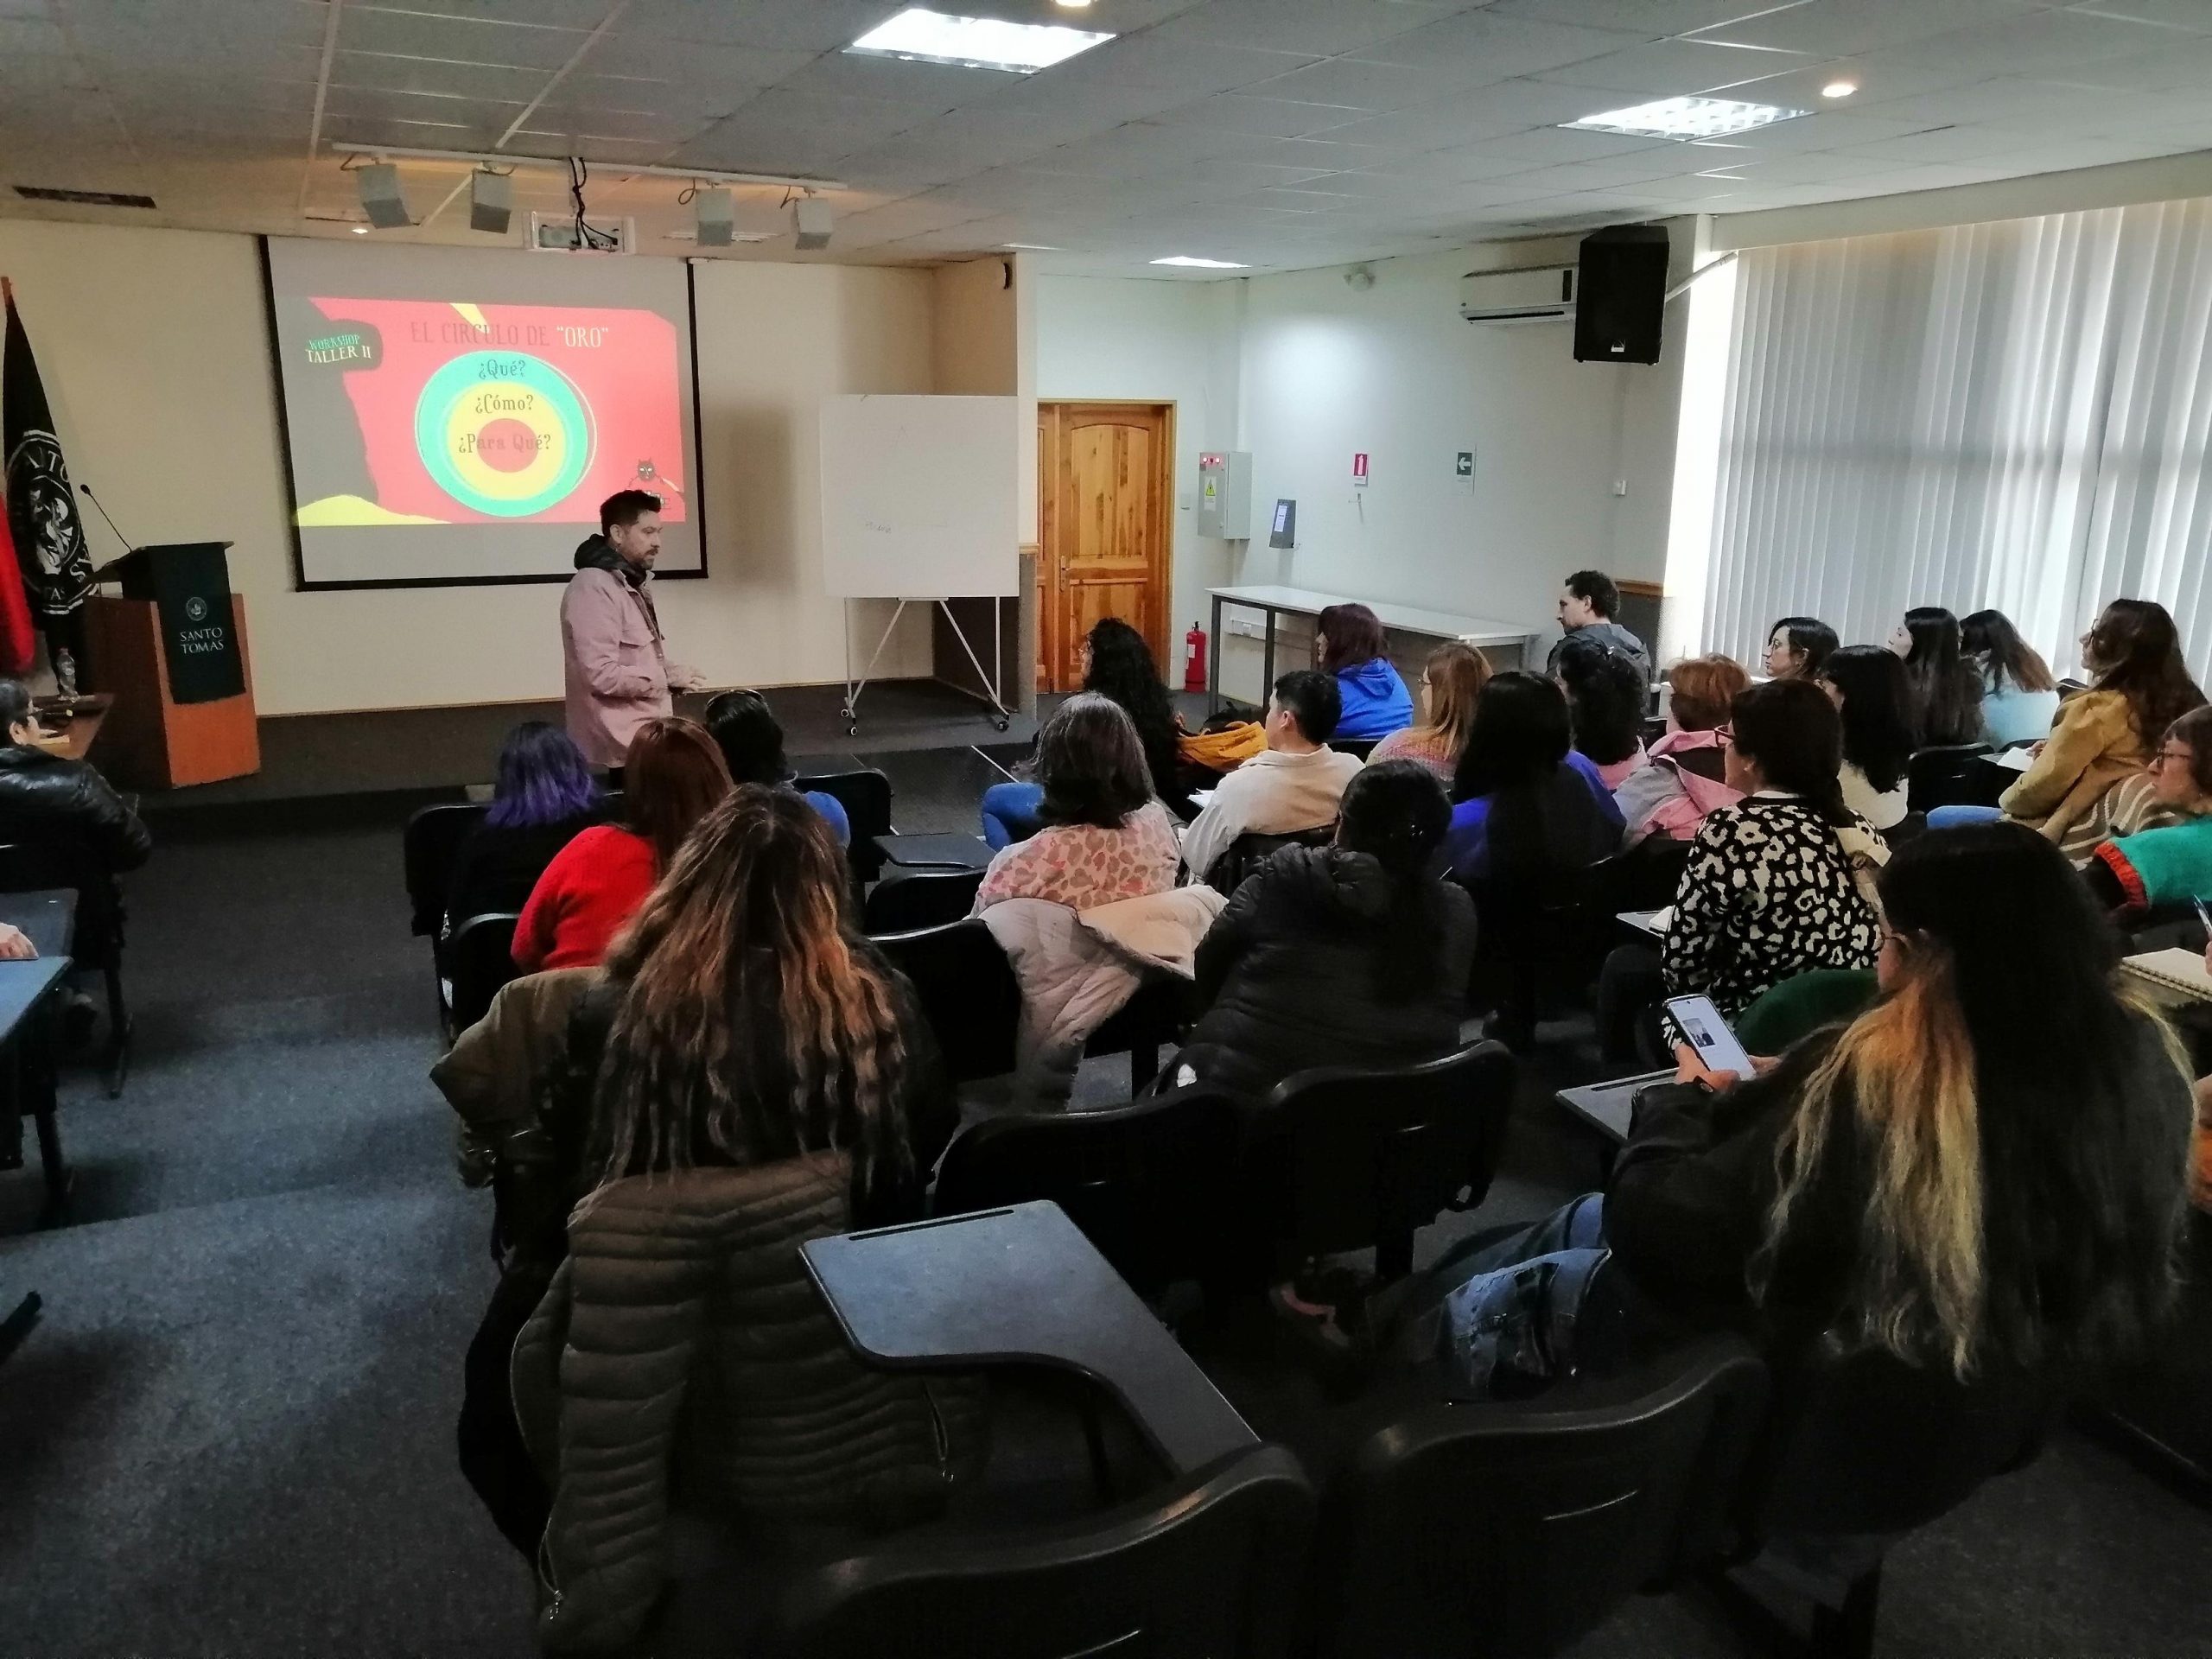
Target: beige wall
column 153, row 346
column 983, row 346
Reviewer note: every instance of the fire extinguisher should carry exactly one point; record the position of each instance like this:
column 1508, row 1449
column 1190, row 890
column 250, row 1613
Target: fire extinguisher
column 1194, row 659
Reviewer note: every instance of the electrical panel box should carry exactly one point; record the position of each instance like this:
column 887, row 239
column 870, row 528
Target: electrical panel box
column 1225, row 494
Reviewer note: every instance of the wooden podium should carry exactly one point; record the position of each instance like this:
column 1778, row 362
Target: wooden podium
column 151, row 740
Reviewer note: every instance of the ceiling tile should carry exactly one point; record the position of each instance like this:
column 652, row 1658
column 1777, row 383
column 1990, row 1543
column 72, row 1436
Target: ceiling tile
column 1658, row 17
column 2182, row 63
column 1668, row 69
column 1549, row 146
column 1277, row 117
column 1822, row 130
column 1361, row 83
column 1188, row 69
column 655, row 57
column 464, row 40
column 32, row 37
column 774, row 25
column 1966, row 143
column 1320, row 27
column 1808, row 168
column 2175, row 13
column 382, row 71
column 1499, row 48
column 852, row 74
column 1486, row 112
column 1831, row 30
column 2051, row 40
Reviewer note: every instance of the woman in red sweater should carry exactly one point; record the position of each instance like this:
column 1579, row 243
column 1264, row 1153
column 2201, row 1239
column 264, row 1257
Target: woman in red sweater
column 673, row 776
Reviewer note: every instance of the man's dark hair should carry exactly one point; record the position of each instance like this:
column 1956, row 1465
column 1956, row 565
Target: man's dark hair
column 1597, row 587
column 15, row 704
column 624, row 507
column 1313, row 701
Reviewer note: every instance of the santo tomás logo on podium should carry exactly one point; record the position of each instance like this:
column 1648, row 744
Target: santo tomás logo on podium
column 445, row 412
column 503, row 433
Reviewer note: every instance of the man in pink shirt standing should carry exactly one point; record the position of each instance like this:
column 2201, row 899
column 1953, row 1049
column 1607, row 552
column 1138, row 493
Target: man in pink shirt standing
column 614, row 671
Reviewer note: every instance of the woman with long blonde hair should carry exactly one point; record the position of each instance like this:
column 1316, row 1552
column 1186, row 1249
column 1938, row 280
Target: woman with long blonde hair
column 1450, row 680
column 1981, row 1177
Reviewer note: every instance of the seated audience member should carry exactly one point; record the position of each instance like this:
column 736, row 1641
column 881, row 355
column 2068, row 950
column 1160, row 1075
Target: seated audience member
column 1796, row 646
column 2019, row 698
column 2160, row 868
column 545, row 793
column 1451, row 681
column 1686, row 779
column 1945, row 688
column 749, row 1075
column 1942, row 1181
column 673, row 774
column 65, row 809
column 2103, row 737
column 1350, row 954
column 1527, row 803
column 1349, row 641
column 1774, row 884
column 1103, row 837
column 750, row 739
column 1607, row 695
column 1293, row 786
column 1116, row 665
column 1871, row 691
column 1586, row 604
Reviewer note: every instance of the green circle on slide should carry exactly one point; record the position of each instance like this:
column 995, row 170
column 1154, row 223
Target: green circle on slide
column 464, row 376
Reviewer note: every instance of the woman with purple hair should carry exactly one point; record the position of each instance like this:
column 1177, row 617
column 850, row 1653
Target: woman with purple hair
column 544, row 794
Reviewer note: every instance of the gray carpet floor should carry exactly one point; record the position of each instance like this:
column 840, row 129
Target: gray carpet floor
column 230, row 1432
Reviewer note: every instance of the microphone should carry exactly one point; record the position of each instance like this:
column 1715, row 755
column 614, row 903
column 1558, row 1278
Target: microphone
column 101, row 574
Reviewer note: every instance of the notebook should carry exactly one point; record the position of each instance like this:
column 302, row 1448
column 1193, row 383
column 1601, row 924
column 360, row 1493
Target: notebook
column 2175, row 971
column 2011, row 759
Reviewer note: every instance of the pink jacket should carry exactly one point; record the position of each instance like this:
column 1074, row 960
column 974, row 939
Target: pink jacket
column 614, row 671
column 1665, row 798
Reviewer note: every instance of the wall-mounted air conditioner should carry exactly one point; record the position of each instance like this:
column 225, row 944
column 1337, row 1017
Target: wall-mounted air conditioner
column 1542, row 294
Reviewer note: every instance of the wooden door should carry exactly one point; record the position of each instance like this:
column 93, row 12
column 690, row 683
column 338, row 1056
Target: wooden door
column 1107, row 482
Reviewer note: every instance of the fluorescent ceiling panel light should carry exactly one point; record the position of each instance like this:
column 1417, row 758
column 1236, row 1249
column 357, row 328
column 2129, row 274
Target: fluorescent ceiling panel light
column 1839, row 89
column 1037, row 247
column 1203, row 264
column 925, row 36
column 1685, row 117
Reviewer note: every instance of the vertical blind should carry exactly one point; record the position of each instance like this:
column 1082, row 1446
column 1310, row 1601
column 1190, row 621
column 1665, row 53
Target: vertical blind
column 2012, row 415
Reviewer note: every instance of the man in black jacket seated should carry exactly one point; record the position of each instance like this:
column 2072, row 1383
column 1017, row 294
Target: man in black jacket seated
column 65, row 807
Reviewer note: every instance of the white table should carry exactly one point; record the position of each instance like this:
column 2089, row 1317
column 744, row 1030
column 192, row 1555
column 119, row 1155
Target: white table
column 1477, row 631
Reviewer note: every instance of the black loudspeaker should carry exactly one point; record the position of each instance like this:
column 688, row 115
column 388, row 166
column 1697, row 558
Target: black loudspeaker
column 1623, row 294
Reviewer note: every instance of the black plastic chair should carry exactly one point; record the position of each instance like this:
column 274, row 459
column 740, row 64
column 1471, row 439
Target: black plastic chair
column 428, row 848
column 1913, row 824
column 95, row 931
column 1863, row 1451
column 1247, row 852
column 901, row 903
column 1344, row 1159
column 1361, row 747
column 967, row 991
column 1944, row 776
column 1151, row 1020
column 480, row 958
column 1148, row 1183
column 1210, row 1566
column 1508, row 1531
column 1709, row 763
column 866, row 796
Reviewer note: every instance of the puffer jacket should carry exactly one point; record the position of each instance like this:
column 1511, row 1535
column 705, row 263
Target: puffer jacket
column 48, row 799
column 684, row 1332
column 1287, row 973
column 496, row 1071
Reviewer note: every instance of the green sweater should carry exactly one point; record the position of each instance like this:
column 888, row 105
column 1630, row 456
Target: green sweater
column 2164, row 866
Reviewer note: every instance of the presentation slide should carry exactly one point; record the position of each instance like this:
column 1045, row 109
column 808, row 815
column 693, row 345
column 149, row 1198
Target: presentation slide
column 457, row 415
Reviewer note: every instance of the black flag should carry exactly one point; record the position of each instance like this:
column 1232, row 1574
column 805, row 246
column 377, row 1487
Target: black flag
column 57, row 567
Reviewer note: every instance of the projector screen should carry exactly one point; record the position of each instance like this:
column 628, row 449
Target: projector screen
column 457, row 415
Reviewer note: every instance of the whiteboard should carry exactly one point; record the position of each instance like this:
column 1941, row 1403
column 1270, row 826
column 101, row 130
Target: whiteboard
column 919, row 497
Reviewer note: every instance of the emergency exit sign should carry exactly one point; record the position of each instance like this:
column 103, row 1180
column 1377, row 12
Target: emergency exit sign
column 1359, row 471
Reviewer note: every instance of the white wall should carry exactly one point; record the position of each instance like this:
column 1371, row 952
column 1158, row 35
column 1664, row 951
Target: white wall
column 1160, row 342
column 1393, row 373
column 154, row 347
column 1305, row 371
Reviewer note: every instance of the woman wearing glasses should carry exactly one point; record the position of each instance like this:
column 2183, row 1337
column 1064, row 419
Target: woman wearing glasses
column 2171, row 866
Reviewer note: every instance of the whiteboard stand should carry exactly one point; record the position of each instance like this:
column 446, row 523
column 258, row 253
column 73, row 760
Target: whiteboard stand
column 993, row 684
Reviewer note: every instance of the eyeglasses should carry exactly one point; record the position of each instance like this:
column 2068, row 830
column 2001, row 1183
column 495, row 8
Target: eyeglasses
column 1725, row 731
column 2182, row 755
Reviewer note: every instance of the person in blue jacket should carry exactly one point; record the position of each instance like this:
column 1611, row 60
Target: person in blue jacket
column 1526, row 804
column 1347, row 639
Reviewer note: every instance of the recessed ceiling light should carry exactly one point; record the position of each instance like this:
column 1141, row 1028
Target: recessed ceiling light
column 1074, row 5
column 925, row 36
column 1203, row 264
column 1685, row 117
column 1839, row 89
column 360, row 230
